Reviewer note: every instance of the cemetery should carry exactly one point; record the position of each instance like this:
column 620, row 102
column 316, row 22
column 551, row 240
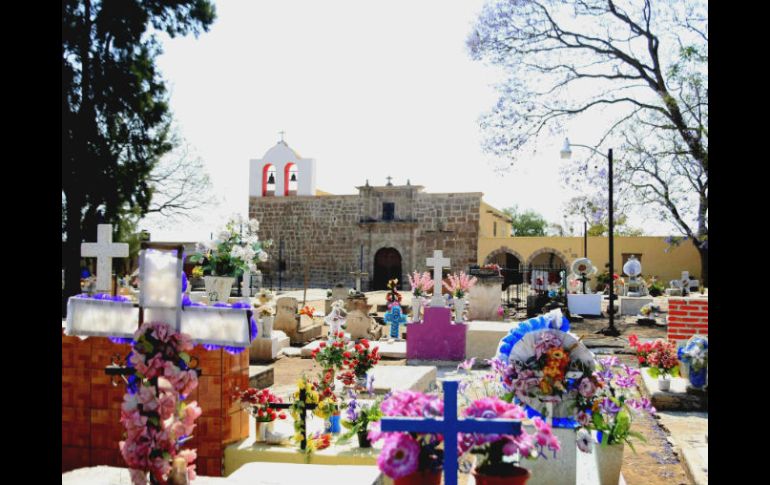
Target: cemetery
column 393, row 335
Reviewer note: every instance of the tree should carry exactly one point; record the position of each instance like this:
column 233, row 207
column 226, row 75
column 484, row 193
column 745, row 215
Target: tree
column 526, row 223
column 646, row 60
column 115, row 115
column 596, row 216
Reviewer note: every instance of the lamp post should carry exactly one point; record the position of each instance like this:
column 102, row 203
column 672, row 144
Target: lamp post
column 566, row 153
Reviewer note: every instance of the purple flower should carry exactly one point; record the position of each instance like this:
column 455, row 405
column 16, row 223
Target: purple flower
column 352, row 411
column 467, row 364
column 642, row 404
column 608, row 406
column 625, row 382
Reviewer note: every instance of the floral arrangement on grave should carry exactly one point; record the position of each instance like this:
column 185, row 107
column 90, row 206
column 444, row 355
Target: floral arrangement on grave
column 307, row 310
column 197, row 272
column 157, row 419
column 257, row 403
column 317, row 441
column 694, row 357
column 422, row 283
column 330, row 356
column 660, row 356
column 549, row 369
column 265, row 311
column 232, row 253
column 404, row 454
column 357, row 362
column 491, row 449
column 357, row 418
column 265, row 295
column 459, row 285
column 612, row 406
column 491, row 267
column 393, row 296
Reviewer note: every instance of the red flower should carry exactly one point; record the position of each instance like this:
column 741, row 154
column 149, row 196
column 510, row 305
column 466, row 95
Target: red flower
column 322, row 344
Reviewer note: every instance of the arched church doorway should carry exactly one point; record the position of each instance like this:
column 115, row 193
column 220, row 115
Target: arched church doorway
column 387, row 266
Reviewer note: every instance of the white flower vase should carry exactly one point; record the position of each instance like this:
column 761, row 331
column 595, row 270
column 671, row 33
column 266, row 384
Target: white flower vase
column 416, row 305
column 664, row 383
column 218, row 288
column 609, row 460
column 267, row 326
column 459, row 310
column 261, row 430
column 562, row 468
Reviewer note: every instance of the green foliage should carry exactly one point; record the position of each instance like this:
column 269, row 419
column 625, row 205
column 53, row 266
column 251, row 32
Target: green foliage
column 115, row 114
column 526, row 223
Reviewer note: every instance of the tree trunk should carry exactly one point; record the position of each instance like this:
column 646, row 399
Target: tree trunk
column 704, row 264
column 71, row 253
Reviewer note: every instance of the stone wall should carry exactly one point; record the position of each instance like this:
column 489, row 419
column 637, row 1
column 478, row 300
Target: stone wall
column 325, row 234
column 687, row 317
column 91, row 427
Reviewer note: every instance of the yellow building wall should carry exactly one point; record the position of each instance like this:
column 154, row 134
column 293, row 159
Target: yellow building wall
column 655, row 261
column 488, row 219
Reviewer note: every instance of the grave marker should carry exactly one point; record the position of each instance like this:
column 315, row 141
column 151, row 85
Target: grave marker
column 104, row 250
column 438, row 261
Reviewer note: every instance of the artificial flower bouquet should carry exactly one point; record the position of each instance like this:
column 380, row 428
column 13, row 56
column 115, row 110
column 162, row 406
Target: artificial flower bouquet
column 404, row 454
column 459, row 285
column 197, row 272
column 497, row 453
column 307, row 310
column 421, row 283
column 611, row 410
column 660, row 356
column 393, row 296
column 330, row 355
column 257, row 402
column 357, row 418
column 265, row 311
column 232, row 253
column 361, row 358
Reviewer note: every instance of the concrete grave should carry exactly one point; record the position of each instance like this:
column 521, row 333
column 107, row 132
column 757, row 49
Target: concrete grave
column 267, row 349
column 630, row 305
column 292, row 473
column 483, row 338
column 299, row 328
column 402, row 378
column 679, row 397
column 437, row 338
column 584, row 304
column 360, row 325
column 261, row 376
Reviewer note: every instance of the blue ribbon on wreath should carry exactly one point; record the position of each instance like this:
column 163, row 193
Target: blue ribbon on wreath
column 532, row 325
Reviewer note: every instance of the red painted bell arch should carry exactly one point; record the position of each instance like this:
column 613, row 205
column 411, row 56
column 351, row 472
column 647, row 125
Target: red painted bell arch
column 287, row 171
column 265, row 176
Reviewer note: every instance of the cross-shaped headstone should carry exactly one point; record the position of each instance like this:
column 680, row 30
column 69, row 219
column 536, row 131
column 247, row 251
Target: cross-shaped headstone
column 358, row 274
column 303, row 416
column 438, row 261
column 449, row 426
column 104, row 250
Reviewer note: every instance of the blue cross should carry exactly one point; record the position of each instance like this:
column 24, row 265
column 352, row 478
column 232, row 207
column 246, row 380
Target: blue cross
column 394, row 317
column 449, row 426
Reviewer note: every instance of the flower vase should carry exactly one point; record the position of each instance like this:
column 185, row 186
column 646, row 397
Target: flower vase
column 519, row 476
column 609, row 459
column 459, row 310
column 560, row 466
column 664, row 383
column 267, row 326
column 360, row 383
column 420, row 477
column 332, row 425
column 261, row 429
column 698, row 379
column 363, row 439
column 416, row 305
column 218, row 288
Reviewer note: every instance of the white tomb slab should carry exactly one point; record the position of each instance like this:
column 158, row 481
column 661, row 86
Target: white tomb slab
column 104, row 250
column 402, row 378
column 262, row 349
column 579, row 304
column 630, row 305
column 483, row 337
column 110, row 475
column 391, row 350
column 266, row 473
column 307, row 350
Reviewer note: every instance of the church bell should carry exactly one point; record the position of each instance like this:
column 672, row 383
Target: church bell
column 271, row 179
column 293, row 177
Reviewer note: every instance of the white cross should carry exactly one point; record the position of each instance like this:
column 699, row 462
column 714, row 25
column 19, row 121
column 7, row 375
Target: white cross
column 438, row 261
column 104, row 250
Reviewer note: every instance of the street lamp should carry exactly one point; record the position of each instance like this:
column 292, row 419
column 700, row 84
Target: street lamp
column 566, row 153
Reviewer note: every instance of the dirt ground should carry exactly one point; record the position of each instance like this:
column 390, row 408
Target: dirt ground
column 654, row 462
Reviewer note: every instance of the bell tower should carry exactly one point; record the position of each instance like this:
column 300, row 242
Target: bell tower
column 281, row 172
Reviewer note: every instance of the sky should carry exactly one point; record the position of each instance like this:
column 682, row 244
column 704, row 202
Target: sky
column 368, row 89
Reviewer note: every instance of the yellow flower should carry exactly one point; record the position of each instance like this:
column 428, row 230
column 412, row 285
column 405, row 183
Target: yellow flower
column 557, row 354
column 545, row 387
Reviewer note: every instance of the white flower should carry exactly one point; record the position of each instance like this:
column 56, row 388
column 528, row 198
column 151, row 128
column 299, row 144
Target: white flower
column 223, row 235
column 263, row 256
column 584, row 440
column 253, row 225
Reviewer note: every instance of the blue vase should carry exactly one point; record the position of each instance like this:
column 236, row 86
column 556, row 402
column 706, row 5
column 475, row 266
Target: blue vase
column 333, row 424
column 698, row 379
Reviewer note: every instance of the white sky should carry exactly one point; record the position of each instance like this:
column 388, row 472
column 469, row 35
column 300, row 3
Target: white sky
column 368, row 89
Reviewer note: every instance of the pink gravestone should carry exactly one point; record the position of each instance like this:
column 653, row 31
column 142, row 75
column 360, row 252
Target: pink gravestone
column 437, row 337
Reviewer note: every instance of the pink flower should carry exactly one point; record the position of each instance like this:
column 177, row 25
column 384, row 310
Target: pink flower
column 166, row 405
column 138, row 477
column 147, row 398
column 161, row 331
column 587, row 387
column 189, row 414
column 583, row 418
column 399, row 456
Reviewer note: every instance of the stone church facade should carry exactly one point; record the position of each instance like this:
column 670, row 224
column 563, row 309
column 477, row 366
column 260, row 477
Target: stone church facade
column 389, row 230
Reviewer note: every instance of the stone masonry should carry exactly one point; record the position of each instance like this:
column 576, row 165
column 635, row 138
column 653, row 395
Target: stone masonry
column 323, row 235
